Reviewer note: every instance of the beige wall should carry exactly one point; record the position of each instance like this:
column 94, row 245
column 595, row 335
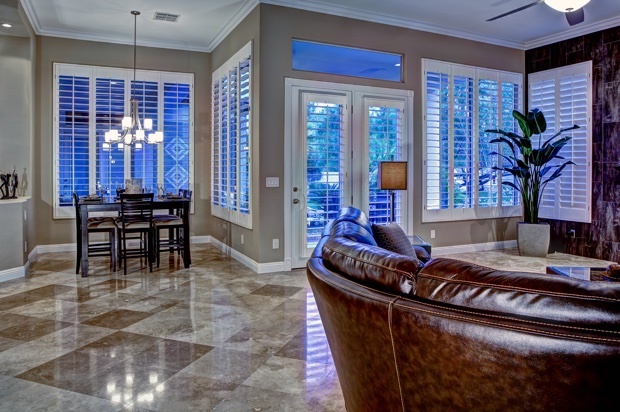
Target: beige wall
column 280, row 25
column 51, row 50
column 15, row 108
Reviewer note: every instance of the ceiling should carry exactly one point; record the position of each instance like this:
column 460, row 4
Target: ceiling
column 204, row 23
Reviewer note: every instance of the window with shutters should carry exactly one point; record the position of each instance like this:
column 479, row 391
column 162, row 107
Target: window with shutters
column 564, row 95
column 460, row 103
column 231, row 191
column 89, row 101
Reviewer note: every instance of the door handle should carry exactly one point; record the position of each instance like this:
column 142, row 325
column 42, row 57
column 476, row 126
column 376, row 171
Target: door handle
column 295, row 201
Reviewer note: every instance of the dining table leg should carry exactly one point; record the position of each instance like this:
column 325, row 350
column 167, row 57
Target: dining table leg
column 187, row 258
column 84, row 251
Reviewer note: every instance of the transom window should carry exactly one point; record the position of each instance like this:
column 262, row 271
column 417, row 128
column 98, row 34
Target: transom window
column 460, row 102
column 89, row 101
column 347, row 61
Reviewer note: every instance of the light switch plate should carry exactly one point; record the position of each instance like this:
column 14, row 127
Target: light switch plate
column 272, row 182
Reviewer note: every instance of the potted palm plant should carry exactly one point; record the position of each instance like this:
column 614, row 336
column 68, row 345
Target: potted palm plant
column 529, row 165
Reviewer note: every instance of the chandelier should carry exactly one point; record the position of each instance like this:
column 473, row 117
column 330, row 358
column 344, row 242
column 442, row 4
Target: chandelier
column 566, row 6
column 133, row 130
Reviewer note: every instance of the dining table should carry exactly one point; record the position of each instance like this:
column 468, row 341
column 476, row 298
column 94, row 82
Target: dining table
column 104, row 205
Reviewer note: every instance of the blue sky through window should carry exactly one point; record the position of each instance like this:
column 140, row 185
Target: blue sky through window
column 347, row 61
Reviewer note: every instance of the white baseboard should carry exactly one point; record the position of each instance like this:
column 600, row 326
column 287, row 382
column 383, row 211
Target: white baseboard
column 246, row 261
column 477, row 247
column 14, row 273
column 64, row 247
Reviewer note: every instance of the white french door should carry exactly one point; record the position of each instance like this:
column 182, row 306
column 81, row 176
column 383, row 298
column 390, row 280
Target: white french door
column 337, row 135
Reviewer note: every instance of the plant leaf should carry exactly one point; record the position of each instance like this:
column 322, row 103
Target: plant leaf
column 536, row 121
column 523, row 124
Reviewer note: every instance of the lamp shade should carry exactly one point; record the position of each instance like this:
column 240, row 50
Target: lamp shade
column 393, row 175
column 566, row 5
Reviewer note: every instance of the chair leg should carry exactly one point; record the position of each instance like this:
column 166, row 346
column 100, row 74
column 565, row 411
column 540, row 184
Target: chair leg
column 113, row 249
column 78, row 255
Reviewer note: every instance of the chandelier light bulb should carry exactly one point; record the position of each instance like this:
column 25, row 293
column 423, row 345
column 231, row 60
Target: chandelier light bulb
column 566, row 6
column 148, row 124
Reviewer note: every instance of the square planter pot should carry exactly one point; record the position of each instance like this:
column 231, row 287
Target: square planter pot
column 533, row 239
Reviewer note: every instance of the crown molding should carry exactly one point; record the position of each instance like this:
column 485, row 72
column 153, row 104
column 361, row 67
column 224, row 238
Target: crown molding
column 574, row 32
column 320, row 6
column 39, row 30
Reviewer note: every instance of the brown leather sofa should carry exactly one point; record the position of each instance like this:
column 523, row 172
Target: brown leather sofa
column 454, row 336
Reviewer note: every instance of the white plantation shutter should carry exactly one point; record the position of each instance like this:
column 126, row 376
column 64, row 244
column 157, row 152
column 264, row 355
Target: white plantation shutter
column 564, row 96
column 460, row 103
column 110, row 109
column 89, row 101
column 437, row 141
column 231, row 143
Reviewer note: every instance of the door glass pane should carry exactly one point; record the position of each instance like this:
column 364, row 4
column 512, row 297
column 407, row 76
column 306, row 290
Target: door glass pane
column 384, row 144
column 324, row 166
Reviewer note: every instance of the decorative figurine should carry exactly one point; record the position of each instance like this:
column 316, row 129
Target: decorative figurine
column 4, row 185
column 13, row 183
column 8, row 185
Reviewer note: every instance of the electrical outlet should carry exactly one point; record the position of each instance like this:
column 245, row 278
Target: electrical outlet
column 571, row 233
column 242, row 240
column 432, row 233
column 276, row 243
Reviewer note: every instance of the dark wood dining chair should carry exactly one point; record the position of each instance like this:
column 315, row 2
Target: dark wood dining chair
column 173, row 223
column 98, row 224
column 135, row 225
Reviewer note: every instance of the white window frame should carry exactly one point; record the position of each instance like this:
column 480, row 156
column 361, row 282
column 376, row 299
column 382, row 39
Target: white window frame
column 228, row 213
column 92, row 73
column 569, row 111
column 476, row 212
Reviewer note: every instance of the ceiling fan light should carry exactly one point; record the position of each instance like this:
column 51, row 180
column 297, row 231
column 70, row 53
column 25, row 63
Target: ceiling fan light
column 566, row 6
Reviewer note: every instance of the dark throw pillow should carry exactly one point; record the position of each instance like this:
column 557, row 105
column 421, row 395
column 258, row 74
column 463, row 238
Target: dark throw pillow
column 394, row 239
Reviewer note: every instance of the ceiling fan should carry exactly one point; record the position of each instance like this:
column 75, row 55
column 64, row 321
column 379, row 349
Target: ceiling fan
column 573, row 9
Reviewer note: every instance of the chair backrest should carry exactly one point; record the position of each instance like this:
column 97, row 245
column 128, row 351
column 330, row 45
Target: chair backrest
column 136, row 208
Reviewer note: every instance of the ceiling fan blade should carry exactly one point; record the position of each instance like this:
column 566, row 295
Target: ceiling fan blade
column 575, row 17
column 527, row 6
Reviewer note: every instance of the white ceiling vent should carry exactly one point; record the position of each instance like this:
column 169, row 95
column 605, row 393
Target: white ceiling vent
column 159, row 16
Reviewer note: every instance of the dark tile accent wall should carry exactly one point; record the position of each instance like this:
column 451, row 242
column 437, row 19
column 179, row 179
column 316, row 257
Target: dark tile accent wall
column 601, row 238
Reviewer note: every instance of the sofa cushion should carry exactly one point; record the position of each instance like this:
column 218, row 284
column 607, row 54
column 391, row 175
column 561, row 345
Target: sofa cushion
column 352, row 231
column 551, row 297
column 352, row 214
column 372, row 266
column 421, row 253
column 392, row 237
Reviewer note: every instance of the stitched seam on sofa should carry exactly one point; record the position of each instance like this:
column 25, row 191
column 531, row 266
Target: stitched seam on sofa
column 542, row 332
column 505, row 287
column 348, row 289
column 400, row 389
column 511, row 319
column 402, row 272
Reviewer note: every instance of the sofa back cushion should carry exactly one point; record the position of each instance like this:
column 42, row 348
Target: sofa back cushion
column 352, row 231
column 371, row 265
column 551, row 297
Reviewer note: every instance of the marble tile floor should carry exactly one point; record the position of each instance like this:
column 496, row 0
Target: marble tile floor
column 215, row 337
column 509, row 259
